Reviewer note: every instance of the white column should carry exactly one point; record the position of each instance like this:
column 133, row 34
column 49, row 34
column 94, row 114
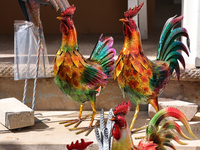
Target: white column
column 141, row 18
column 191, row 21
column 131, row 4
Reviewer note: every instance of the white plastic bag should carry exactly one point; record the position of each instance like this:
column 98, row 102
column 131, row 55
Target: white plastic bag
column 26, row 44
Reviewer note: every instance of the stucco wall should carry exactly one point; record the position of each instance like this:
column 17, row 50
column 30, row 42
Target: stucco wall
column 50, row 97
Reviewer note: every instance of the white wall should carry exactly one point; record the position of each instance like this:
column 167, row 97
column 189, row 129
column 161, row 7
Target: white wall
column 191, row 21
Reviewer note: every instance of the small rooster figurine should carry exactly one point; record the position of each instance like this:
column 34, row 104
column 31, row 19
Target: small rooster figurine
column 140, row 78
column 79, row 78
column 156, row 138
column 122, row 139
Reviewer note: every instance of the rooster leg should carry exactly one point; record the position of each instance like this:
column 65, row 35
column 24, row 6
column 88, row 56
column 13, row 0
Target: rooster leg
column 154, row 103
column 77, row 121
column 135, row 116
column 90, row 127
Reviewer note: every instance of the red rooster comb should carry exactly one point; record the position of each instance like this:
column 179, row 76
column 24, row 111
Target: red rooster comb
column 69, row 11
column 133, row 12
column 79, row 146
column 122, row 108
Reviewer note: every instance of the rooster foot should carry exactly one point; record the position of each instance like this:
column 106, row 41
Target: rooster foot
column 73, row 121
column 84, row 129
column 138, row 129
column 141, row 137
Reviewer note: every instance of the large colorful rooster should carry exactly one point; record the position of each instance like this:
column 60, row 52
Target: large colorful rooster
column 140, row 78
column 80, row 78
column 156, row 138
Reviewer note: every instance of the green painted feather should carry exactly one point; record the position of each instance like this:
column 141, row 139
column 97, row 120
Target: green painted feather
column 177, row 56
column 169, row 25
column 176, row 45
column 168, row 44
column 175, row 34
column 163, row 136
column 103, row 54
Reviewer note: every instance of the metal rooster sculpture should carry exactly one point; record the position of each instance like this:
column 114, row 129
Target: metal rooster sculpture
column 105, row 138
column 140, row 78
column 156, row 137
column 77, row 77
column 31, row 8
column 162, row 136
column 121, row 134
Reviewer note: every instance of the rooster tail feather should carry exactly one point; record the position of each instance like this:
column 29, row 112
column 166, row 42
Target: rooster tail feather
column 168, row 44
column 174, row 65
column 163, row 136
column 176, row 45
column 175, row 34
column 172, row 125
column 168, row 112
column 166, row 23
column 177, row 56
column 174, row 137
column 169, row 144
column 169, row 25
column 103, row 54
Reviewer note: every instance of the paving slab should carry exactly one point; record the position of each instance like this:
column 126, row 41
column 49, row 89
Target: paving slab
column 14, row 114
column 189, row 109
column 50, row 135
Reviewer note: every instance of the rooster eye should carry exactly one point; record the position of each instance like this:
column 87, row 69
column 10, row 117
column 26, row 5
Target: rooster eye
column 120, row 120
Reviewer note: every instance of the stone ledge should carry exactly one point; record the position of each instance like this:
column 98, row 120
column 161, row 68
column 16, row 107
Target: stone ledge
column 189, row 109
column 14, row 114
column 7, row 70
column 191, row 74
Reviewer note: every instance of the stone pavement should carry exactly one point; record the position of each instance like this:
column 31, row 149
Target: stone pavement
column 50, row 135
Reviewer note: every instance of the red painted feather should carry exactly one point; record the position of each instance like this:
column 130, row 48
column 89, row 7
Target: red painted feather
column 116, row 133
column 69, row 11
column 79, row 146
column 133, row 12
column 122, row 108
column 143, row 145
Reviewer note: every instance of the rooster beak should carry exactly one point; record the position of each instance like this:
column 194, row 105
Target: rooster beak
column 60, row 18
column 113, row 119
column 123, row 20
